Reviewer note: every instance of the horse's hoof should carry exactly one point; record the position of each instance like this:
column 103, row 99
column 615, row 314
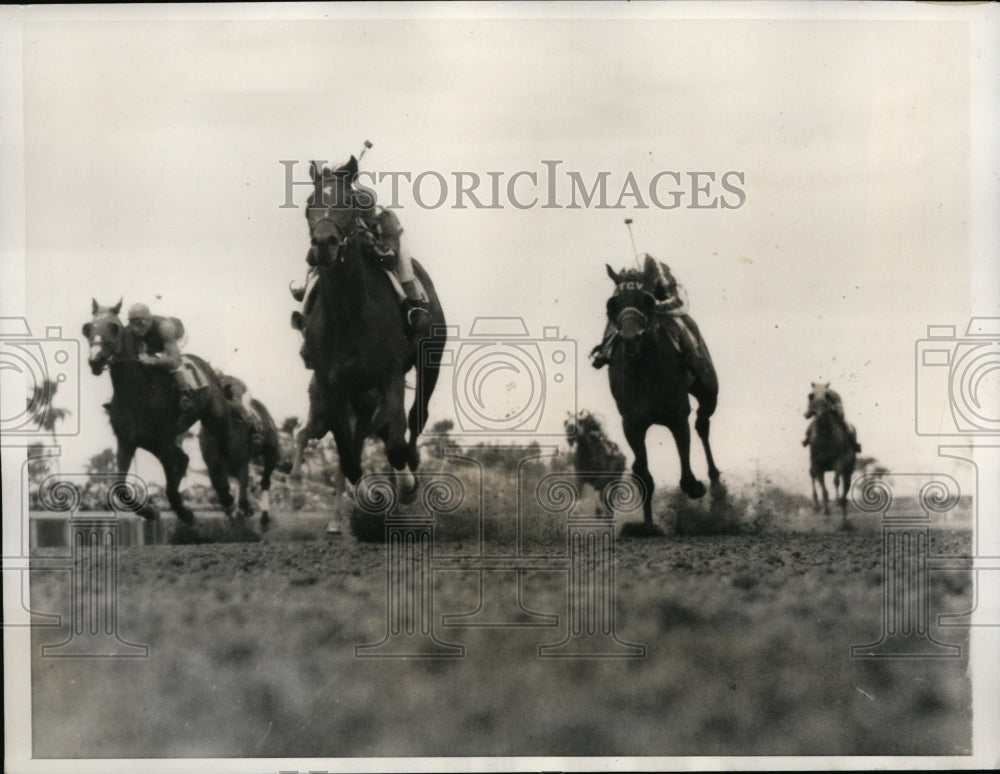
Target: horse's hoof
column 640, row 529
column 333, row 530
column 693, row 489
column 149, row 513
column 187, row 517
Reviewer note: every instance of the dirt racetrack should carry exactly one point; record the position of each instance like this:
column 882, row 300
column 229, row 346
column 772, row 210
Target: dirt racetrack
column 252, row 654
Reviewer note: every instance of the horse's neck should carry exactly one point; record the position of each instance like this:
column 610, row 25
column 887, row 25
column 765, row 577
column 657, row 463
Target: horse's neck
column 130, row 384
column 831, row 419
column 352, row 293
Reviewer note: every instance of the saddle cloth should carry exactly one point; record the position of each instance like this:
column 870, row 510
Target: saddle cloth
column 193, row 374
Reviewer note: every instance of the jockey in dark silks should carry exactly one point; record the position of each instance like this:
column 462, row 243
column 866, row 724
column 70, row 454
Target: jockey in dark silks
column 157, row 344
column 239, row 400
column 672, row 313
column 385, row 234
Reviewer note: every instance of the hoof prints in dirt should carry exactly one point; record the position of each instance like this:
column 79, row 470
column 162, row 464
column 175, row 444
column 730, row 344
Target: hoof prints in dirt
column 213, row 532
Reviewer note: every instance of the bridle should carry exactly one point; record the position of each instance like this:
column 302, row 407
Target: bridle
column 104, row 349
column 335, row 233
column 631, row 312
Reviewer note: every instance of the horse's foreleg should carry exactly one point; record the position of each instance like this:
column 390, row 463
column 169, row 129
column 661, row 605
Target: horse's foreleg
column 690, row 485
column 427, row 371
column 243, row 500
column 174, row 462
column 845, row 481
column 216, row 465
column 270, row 460
column 396, row 448
column 124, row 457
column 826, row 494
column 812, row 478
column 636, row 437
column 707, row 395
column 701, row 425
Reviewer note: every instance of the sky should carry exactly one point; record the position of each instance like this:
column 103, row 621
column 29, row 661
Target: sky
column 152, row 172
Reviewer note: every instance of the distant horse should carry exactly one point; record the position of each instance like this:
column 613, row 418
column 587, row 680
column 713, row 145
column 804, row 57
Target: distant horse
column 650, row 383
column 236, row 456
column 595, row 457
column 360, row 346
column 831, row 448
column 145, row 411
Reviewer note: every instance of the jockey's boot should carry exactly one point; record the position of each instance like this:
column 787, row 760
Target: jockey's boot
column 304, row 354
column 298, row 292
column 418, row 315
column 601, row 354
column 188, row 406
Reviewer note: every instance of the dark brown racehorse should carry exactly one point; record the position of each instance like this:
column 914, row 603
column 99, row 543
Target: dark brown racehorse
column 359, row 344
column 650, row 384
column 145, row 411
column 831, row 448
column 236, row 458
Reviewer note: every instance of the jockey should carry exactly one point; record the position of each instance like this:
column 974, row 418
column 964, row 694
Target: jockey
column 157, row 343
column 385, row 234
column 239, row 399
column 833, row 399
column 672, row 312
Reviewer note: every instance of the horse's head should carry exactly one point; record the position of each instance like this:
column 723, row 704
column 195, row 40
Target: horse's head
column 632, row 307
column 104, row 334
column 332, row 210
column 818, row 400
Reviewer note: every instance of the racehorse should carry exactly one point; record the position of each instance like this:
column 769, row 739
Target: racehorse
column 236, row 456
column 360, row 346
column 830, row 449
column 650, row 383
column 145, row 409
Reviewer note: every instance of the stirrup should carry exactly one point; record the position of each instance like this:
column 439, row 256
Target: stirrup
column 417, row 315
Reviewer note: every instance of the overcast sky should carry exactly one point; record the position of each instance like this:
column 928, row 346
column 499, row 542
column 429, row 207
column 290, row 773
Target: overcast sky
column 152, row 173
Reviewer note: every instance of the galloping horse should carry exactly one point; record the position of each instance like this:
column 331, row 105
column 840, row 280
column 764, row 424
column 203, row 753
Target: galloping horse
column 831, row 448
column 145, row 411
column 650, row 383
column 235, row 458
column 360, row 346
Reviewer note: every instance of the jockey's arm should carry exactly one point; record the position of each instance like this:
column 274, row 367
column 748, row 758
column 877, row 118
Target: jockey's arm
column 170, row 358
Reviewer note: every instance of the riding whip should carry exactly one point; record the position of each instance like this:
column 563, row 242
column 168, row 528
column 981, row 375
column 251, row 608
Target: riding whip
column 628, row 222
column 365, row 148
